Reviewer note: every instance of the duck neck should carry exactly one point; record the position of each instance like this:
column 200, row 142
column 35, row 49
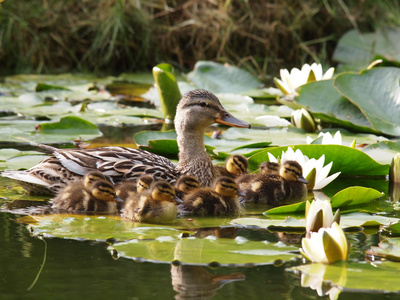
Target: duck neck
column 193, row 159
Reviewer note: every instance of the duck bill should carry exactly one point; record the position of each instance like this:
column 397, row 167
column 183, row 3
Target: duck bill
column 226, row 118
column 302, row 179
column 118, row 199
column 178, row 200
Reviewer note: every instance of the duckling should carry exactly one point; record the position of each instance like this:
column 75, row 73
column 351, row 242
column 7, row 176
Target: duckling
column 128, row 188
column 185, row 185
column 268, row 188
column 267, row 167
column 197, row 110
column 221, row 200
column 155, row 206
column 235, row 166
column 92, row 194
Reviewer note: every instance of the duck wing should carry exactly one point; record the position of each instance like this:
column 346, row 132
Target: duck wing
column 118, row 163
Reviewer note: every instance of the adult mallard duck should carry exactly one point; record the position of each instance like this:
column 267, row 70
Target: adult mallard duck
column 221, row 200
column 272, row 189
column 197, row 110
column 92, row 194
column 155, row 206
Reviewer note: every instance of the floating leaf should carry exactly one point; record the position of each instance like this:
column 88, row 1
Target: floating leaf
column 380, row 105
column 219, row 78
column 68, row 125
column 221, row 251
column 343, row 159
column 354, row 195
column 40, row 87
column 327, row 104
column 346, row 221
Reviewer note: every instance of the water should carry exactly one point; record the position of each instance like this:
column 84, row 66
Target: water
column 82, row 269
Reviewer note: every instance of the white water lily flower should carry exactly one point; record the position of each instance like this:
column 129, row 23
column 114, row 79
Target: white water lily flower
column 321, row 177
column 319, row 214
column 289, row 82
column 327, row 139
column 326, row 246
column 273, row 121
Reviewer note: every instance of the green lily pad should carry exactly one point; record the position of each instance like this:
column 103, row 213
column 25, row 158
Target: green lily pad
column 393, row 229
column 379, row 105
column 347, row 160
column 219, row 78
column 40, row 87
column 388, row 248
column 354, row 195
column 68, row 125
column 326, row 103
column 195, row 251
column 357, row 50
column 97, row 228
column 350, row 276
column 351, row 220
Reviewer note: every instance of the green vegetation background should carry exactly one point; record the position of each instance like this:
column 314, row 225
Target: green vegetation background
column 114, row 36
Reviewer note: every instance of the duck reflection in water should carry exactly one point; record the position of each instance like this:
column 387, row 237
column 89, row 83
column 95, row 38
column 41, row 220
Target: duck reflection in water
column 195, row 282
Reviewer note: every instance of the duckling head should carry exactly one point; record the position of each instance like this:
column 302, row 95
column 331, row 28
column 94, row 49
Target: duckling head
column 163, row 191
column 104, row 190
column 225, row 186
column 201, row 108
column 237, row 164
column 144, row 183
column 92, row 177
column 187, row 183
column 292, row 171
column 269, row 167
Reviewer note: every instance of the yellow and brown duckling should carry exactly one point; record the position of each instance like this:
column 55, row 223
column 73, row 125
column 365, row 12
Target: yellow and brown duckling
column 131, row 187
column 268, row 188
column 185, row 185
column 158, row 205
column 235, row 166
column 267, row 167
column 92, row 194
column 221, row 200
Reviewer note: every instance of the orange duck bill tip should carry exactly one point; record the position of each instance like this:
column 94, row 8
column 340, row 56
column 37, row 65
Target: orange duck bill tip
column 226, row 118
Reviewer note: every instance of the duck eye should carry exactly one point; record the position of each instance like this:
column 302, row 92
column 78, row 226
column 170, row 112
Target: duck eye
column 203, row 104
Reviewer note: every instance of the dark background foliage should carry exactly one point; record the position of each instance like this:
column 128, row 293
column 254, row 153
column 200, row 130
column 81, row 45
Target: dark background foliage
column 117, row 36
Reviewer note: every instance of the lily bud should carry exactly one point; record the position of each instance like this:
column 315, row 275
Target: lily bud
column 394, row 171
column 319, row 214
column 301, row 118
column 327, row 246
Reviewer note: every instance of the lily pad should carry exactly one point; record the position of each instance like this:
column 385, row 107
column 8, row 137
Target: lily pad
column 343, row 159
column 219, row 78
column 380, row 105
column 327, row 104
column 346, row 221
column 357, row 50
column 195, row 251
column 45, row 87
column 68, row 125
column 388, row 248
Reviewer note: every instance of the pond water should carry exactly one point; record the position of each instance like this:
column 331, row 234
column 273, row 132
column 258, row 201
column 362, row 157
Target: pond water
column 79, row 268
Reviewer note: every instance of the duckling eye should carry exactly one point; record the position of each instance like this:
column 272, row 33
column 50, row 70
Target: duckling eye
column 203, row 104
